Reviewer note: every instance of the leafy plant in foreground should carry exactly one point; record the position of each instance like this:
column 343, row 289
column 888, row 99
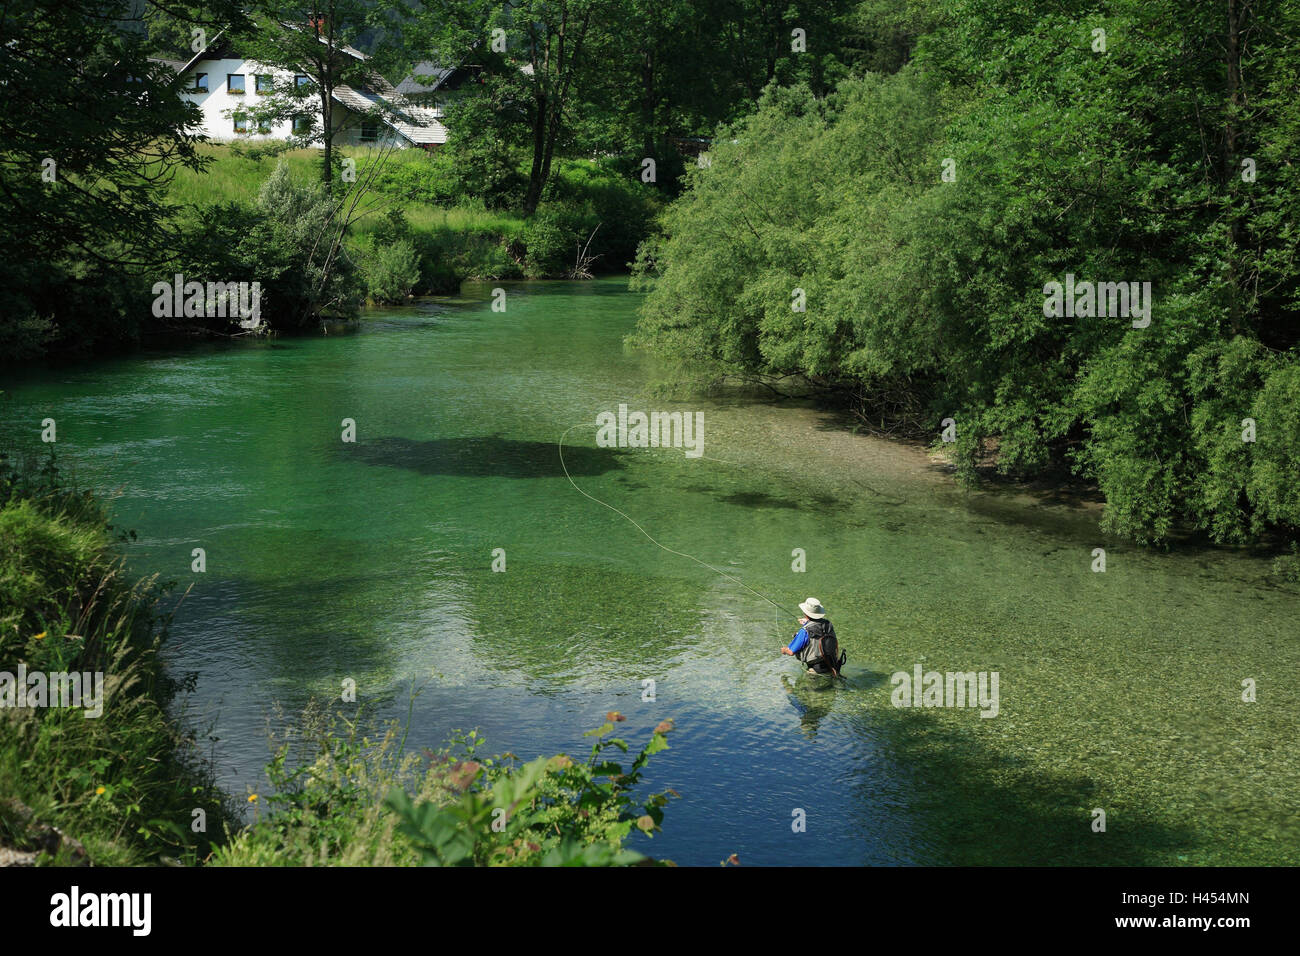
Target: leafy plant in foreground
column 552, row 811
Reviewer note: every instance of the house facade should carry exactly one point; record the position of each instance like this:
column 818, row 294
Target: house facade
column 225, row 87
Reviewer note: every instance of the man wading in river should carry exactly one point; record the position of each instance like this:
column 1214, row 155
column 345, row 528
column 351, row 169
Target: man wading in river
column 815, row 644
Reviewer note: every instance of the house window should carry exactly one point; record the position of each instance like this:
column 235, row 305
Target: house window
column 264, row 126
column 369, row 131
column 301, row 125
column 200, row 82
column 263, row 83
column 241, row 124
column 234, row 82
column 301, row 80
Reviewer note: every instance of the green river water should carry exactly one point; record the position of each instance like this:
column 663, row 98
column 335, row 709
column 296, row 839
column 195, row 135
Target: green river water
column 372, row 560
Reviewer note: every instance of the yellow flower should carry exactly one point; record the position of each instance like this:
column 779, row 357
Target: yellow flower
column 41, row 636
column 99, row 791
column 252, row 798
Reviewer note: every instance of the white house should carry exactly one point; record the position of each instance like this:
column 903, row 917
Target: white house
column 220, row 81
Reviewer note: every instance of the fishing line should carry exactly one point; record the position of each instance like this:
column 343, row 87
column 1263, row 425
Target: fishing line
column 628, row 518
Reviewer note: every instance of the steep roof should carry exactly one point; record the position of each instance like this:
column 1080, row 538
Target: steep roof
column 420, row 124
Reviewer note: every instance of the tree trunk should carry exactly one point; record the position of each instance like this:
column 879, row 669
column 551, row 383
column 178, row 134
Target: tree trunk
column 1237, row 12
column 648, row 103
column 327, row 133
column 537, row 174
column 552, row 133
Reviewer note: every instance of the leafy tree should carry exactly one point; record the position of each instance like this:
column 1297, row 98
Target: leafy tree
column 91, row 131
column 536, row 56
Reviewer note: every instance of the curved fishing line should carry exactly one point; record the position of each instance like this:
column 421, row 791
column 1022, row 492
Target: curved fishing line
column 630, row 520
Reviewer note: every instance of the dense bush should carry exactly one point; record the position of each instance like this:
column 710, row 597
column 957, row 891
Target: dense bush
column 389, row 261
column 284, row 241
column 391, row 270
column 549, row 237
column 601, row 203
column 924, row 293
column 71, row 308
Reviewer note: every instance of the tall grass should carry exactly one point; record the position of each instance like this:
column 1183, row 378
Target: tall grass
column 126, row 784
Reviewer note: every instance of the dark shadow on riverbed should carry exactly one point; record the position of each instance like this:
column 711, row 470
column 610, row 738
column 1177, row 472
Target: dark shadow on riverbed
column 487, row 456
column 762, row 500
column 972, row 806
column 758, row 499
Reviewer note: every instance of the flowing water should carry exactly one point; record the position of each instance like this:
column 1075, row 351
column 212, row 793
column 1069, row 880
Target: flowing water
column 326, row 560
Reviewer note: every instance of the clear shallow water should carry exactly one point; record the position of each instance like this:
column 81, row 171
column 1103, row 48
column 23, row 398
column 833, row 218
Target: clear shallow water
column 372, row 561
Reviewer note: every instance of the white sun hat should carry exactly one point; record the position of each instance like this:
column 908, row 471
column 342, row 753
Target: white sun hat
column 813, row 608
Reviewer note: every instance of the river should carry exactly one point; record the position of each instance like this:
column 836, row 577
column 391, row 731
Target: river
column 372, row 561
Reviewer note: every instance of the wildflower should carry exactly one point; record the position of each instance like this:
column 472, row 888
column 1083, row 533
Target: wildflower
column 664, row 726
column 99, row 791
column 733, row 860
column 614, row 716
column 40, row 636
column 252, row 798
column 645, row 822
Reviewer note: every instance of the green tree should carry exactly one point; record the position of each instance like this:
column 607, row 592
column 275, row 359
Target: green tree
column 316, row 39
column 91, row 131
column 536, row 56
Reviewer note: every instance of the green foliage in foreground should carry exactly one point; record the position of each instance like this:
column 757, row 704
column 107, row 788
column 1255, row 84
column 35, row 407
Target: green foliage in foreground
column 925, row 294
column 125, row 784
column 344, row 798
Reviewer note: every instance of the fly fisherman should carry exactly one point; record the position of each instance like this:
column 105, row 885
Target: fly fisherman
column 815, row 644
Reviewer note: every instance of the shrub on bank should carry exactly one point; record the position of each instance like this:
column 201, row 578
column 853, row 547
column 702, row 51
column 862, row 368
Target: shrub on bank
column 282, row 241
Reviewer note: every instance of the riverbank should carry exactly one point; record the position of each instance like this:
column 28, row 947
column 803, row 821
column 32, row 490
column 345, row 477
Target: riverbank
column 258, row 217
column 593, row 214
column 94, row 770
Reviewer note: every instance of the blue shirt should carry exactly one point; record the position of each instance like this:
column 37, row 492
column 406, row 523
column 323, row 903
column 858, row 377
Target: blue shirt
column 800, row 639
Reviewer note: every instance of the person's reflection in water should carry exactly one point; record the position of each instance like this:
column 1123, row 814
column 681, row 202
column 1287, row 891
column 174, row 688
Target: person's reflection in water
column 812, row 698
